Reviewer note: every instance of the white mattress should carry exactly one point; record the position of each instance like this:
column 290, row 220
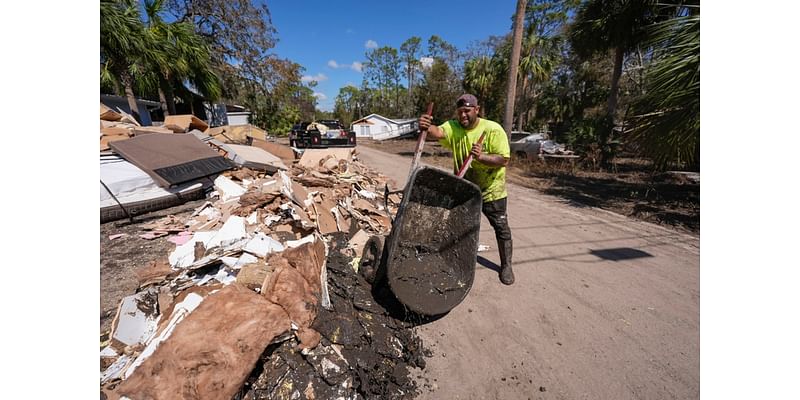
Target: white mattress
column 130, row 184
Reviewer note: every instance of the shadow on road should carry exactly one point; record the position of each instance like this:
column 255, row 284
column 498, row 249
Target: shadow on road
column 620, row 253
column 488, row 264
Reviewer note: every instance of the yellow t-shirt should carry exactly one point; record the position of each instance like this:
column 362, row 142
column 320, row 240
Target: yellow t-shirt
column 491, row 180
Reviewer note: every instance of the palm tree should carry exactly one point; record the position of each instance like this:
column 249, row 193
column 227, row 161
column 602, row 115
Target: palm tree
column 182, row 55
column 123, row 47
column 535, row 67
column 667, row 116
column 513, row 68
column 620, row 25
column 479, row 77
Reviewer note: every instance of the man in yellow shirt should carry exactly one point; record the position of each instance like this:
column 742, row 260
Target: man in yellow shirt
column 488, row 168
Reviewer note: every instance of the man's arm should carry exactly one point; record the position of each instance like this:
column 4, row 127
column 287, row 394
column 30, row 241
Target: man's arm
column 492, row 160
column 434, row 132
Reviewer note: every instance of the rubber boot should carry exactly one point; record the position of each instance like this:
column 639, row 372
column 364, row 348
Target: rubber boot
column 506, row 274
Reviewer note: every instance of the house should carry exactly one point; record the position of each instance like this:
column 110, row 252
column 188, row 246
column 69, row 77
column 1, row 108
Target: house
column 145, row 106
column 227, row 114
column 379, row 127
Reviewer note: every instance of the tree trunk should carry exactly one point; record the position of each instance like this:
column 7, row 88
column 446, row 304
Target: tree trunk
column 127, row 82
column 513, row 67
column 619, row 55
column 606, row 132
column 163, row 100
column 523, row 104
column 166, row 96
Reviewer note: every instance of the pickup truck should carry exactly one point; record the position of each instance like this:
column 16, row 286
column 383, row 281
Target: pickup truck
column 321, row 134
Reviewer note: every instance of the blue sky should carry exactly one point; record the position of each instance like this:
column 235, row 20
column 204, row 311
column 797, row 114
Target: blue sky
column 330, row 38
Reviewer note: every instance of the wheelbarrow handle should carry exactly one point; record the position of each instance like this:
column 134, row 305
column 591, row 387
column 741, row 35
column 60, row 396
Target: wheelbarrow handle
column 420, row 144
column 468, row 161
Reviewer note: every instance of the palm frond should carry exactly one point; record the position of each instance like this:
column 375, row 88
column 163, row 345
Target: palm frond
column 666, row 118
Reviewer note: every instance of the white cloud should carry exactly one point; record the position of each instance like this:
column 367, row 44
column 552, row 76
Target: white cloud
column 356, row 66
column 426, row 61
column 320, row 96
column 371, row 44
column 317, row 78
column 333, row 64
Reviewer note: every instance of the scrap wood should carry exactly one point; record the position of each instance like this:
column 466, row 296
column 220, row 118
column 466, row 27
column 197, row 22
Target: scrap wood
column 217, row 131
column 184, row 123
column 365, row 205
column 144, row 130
column 377, row 228
column 257, row 197
column 211, row 353
column 107, row 114
column 127, row 117
column 240, row 133
column 316, row 179
column 298, row 215
column 253, row 275
column 245, row 173
column 358, row 241
column 116, row 131
column 105, row 140
column 326, row 221
column 293, row 191
column 154, row 272
column 153, row 235
column 169, row 224
column 312, row 158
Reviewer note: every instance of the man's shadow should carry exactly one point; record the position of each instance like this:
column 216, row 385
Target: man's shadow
column 488, row 264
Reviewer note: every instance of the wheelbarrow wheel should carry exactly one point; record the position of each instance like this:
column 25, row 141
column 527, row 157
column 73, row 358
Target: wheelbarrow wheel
column 371, row 258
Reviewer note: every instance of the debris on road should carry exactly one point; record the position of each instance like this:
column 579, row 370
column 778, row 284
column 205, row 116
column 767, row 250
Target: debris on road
column 259, row 297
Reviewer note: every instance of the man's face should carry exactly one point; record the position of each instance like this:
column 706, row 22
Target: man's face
column 467, row 116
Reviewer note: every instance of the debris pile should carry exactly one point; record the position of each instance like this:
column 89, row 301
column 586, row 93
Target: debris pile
column 147, row 168
column 261, row 297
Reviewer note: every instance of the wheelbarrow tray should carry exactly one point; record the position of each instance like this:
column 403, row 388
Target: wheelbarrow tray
column 432, row 247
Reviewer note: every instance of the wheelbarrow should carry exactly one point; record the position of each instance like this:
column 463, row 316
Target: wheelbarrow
column 428, row 259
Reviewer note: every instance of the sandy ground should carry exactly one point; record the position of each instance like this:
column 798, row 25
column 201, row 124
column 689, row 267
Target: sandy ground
column 604, row 307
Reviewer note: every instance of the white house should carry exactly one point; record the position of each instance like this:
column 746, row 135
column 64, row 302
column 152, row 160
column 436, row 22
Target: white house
column 380, row 128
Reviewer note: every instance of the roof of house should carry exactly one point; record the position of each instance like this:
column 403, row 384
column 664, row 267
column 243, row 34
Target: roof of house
column 395, row 121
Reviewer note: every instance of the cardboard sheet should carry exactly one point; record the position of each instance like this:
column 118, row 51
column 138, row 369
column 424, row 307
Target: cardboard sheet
column 283, row 152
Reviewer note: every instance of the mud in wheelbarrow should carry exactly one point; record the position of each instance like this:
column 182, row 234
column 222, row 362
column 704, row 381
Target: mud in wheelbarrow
column 428, row 259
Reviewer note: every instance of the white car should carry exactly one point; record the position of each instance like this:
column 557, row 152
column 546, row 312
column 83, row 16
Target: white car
column 527, row 146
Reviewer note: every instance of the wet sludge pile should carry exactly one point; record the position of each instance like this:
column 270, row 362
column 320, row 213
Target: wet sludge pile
column 364, row 352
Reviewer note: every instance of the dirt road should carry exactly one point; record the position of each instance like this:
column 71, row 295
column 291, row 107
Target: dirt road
column 604, row 307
